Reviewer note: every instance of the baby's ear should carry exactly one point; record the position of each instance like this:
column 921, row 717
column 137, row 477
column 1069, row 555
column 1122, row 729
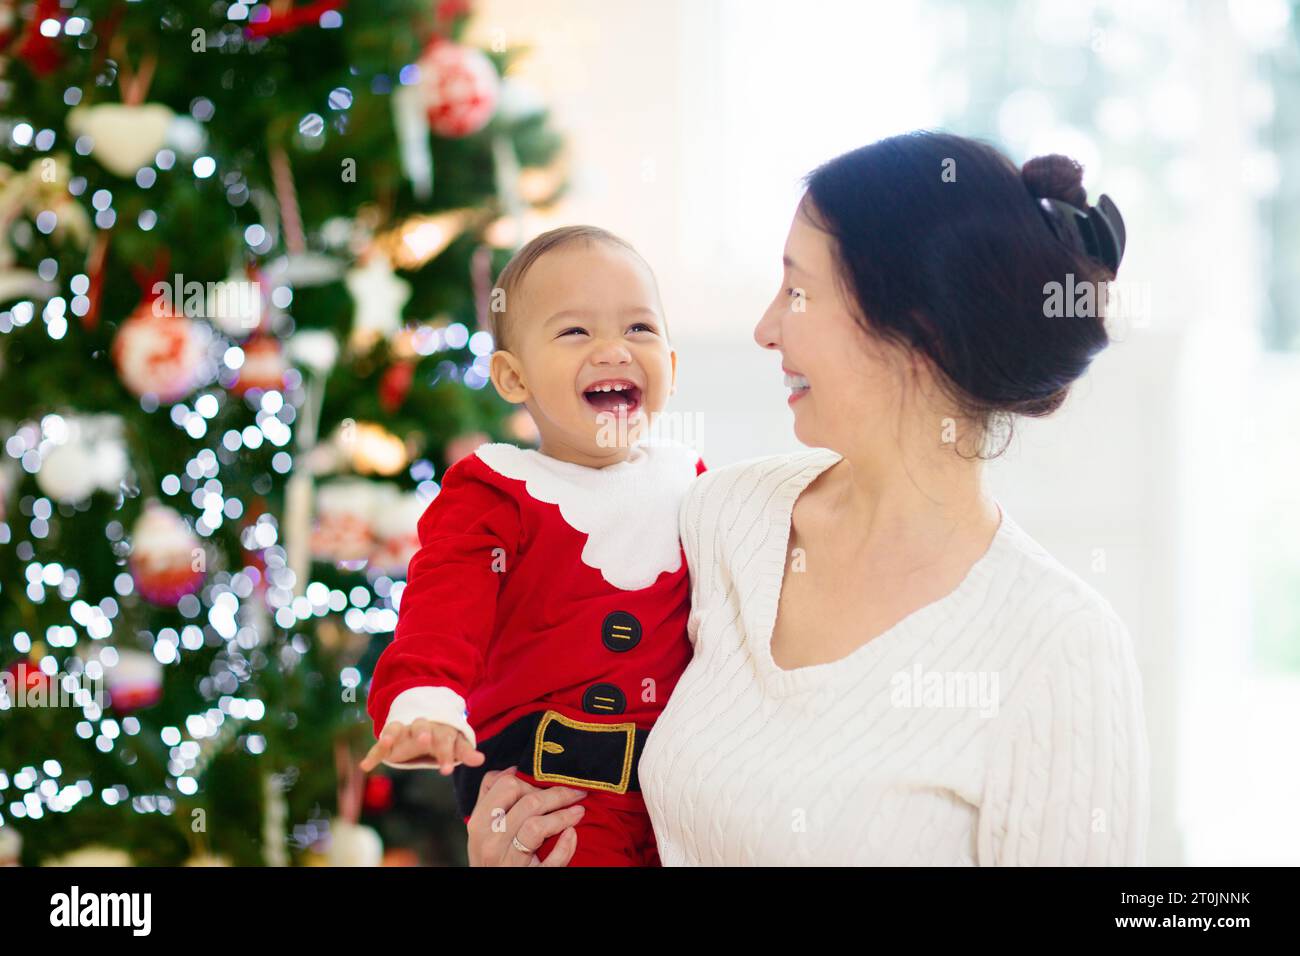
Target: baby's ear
column 507, row 377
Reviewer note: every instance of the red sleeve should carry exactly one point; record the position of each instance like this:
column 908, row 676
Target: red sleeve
column 469, row 535
column 699, row 468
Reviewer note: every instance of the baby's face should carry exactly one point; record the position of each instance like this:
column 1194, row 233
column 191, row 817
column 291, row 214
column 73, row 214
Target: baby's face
column 588, row 353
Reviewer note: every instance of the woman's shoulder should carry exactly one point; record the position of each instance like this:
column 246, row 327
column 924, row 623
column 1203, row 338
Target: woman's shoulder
column 760, row 472
column 1066, row 611
column 736, row 505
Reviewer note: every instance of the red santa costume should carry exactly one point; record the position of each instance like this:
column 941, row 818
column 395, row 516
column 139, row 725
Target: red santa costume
column 544, row 616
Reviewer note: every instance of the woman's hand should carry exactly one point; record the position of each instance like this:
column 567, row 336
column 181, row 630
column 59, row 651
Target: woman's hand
column 510, row 809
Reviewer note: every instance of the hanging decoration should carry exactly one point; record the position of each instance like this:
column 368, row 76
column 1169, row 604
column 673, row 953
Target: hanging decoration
column 91, row 456
column 460, row 87
column 157, row 354
column 167, row 560
column 264, row 365
column 134, row 681
column 378, row 296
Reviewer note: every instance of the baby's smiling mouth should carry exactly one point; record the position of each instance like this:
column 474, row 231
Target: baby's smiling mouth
column 613, row 395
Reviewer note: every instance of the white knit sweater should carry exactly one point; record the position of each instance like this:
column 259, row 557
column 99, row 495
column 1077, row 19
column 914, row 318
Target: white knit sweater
column 1001, row 724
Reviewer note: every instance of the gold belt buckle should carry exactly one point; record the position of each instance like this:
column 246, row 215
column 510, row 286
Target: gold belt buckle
column 543, row 746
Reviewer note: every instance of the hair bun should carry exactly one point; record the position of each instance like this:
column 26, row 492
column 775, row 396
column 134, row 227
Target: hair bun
column 1055, row 177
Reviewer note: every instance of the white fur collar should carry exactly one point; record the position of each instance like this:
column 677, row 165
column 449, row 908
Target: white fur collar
column 628, row 510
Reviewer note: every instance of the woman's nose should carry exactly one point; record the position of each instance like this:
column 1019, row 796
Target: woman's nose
column 767, row 332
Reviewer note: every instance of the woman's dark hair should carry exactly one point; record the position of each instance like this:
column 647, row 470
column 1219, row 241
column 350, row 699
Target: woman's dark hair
column 942, row 244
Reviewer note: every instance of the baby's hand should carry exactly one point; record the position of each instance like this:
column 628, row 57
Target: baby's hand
column 422, row 738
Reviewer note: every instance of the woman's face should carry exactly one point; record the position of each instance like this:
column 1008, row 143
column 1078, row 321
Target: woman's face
column 845, row 386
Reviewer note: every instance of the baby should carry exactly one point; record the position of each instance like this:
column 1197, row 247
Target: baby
column 543, row 625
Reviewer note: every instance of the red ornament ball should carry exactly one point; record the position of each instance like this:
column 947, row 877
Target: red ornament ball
column 264, row 365
column 157, row 354
column 26, row 676
column 164, row 555
column 134, row 681
column 378, row 795
column 460, row 86
column 395, row 384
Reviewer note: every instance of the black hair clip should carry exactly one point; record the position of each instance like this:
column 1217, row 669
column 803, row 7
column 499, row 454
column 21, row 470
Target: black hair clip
column 1097, row 231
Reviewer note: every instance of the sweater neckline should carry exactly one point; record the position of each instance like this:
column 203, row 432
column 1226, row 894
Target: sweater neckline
column 781, row 681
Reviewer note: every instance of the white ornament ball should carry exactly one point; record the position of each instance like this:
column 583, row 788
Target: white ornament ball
column 68, row 472
column 92, row 456
column 460, row 87
column 158, row 355
column 352, row 844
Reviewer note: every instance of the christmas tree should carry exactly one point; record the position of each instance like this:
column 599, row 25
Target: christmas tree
column 248, row 251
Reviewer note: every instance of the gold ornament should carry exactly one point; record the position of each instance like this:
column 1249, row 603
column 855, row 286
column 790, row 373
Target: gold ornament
column 421, row 239
column 375, row 450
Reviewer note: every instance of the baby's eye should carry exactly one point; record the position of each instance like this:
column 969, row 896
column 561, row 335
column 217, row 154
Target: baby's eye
column 574, row 329
column 642, row 325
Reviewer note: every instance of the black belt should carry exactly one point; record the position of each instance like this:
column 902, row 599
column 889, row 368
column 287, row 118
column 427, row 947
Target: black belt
column 553, row 748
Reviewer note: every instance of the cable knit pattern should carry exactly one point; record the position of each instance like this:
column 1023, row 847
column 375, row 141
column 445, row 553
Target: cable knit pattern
column 999, row 725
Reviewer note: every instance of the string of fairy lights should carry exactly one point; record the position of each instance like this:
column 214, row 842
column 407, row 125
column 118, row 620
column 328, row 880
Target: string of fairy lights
column 246, row 432
column 365, row 608
column 369, row 608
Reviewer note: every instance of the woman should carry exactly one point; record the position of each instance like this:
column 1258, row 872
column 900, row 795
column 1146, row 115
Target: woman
column 887, row 668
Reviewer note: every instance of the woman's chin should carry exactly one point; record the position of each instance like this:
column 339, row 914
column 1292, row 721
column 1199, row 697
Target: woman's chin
column 805, row 428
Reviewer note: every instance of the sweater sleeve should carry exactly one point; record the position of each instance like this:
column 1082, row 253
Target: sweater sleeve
column 468, row 539
column 1068, row 780
column 688, row 529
